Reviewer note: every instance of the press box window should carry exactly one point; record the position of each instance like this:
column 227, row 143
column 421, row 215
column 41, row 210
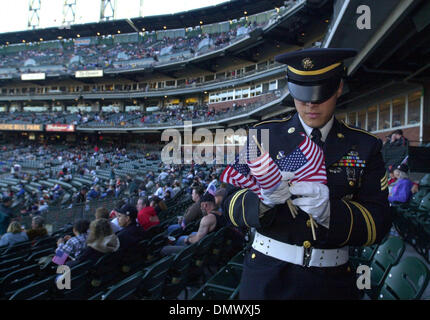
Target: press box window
column 361, row 119
column 384, row 115
column 352, row 118
column 371, row 118
column 398, row 112
column 414, row 105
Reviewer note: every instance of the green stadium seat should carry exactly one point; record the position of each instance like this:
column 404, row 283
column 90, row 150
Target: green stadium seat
column 154, row 279
column 425, row 182
column 18, row 279
column 227, row 278
column 387, row 254
column 40, row 290
column 179, row 272
column 361, row 255
column 34, row 256
column 405, row 281
column 104, row 271
column 126, row 289
column 152, row 251
column 239, row 258
column 208, row 292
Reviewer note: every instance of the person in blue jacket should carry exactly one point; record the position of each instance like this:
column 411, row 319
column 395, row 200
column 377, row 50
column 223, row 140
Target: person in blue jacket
column 402, row 190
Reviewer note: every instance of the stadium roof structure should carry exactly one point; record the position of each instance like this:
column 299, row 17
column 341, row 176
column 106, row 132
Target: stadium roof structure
column 233, row 9
column 394, row 56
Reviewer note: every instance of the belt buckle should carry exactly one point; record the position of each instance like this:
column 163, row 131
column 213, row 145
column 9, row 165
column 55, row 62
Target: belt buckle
column 307, row 254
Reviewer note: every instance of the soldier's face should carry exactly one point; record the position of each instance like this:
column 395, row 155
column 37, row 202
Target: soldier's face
column 317, row 115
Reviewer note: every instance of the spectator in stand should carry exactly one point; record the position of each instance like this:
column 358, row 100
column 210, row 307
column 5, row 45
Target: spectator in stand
column 219, row 196
column 82, row 196
column 395, row 151
column 167, row 195
column 5, row 214
column 167, row 188
column 142, row 191
column 132, row 186
column 37, row 228
column 149, row 184
column 103, row 213
column 114, row 213
column 112, row 177
column 14, row 235
column 147, row 216
column 159, row 191
column 93, row 193
column 392, row 180
column 101, row 240
column 193, row 212
column 176, row 188
column 402, row 190
column 158, row 204
column 131, row 232
column 74, row 246
column 212, row 221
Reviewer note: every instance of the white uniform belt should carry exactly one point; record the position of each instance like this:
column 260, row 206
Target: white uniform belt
column 308, row 257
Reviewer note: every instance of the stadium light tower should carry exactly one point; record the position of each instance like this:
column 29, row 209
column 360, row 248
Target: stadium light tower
column 33, row 14
column 107, row 10
column 69, row 15
column 141, row 8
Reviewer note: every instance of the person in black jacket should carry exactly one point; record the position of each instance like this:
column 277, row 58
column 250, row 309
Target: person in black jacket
column 82, row 196
column 131, row 233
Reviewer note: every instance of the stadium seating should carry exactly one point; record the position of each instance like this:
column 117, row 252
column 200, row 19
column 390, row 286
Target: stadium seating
column 40, row 290
column 126, row 289
column 387, row 254
column 405, row 281
column 179, row 273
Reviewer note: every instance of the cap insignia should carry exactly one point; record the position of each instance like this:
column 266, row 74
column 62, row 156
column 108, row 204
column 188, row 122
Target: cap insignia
column 307, row 63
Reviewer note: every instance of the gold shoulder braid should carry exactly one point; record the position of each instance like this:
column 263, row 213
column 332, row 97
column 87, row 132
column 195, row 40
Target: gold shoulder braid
column 359, row 130
column 269, row 121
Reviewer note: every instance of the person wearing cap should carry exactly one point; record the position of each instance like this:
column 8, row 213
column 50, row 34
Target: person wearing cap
column 352, row 209
column 131, row 233
column 402, row 189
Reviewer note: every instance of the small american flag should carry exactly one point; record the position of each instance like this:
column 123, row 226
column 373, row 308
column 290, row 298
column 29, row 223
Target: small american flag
column 211, row 188
column 239, row 175
column 265, row 170
column 307, row 162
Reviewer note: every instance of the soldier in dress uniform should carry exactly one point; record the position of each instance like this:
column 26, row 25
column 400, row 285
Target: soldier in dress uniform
column 352, row 209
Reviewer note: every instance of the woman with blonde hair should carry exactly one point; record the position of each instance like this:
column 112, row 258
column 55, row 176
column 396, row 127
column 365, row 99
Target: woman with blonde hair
column 101, row 240
column 13, row 235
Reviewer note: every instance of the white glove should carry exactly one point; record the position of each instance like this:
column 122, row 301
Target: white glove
column 314, row 200
column 281, row 194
